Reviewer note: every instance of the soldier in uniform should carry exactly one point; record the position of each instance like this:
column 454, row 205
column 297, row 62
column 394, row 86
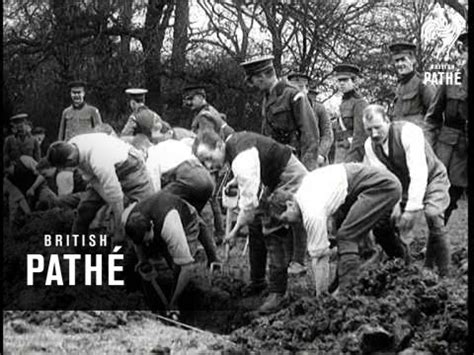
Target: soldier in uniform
column 301, row 81
column 21, row 142
column 350, row 133
column 40, row 135
column 80, row 117
column 448, row 133
column 205, row 116
column 326, row 135
column 287, row 114
column 412, row 96
column 143, row 120
column 289, row 119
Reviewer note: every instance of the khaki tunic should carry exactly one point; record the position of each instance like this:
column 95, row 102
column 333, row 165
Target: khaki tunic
column 76, row 121
column 446, row 129
column 326, row 135
column 412, row 100
column 351, row 135
column 289, row 119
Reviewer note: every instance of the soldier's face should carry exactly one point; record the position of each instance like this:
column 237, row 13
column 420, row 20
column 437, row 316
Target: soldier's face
column 212, row 159
column 377, row 128
column 300, row 83
column 404, row 63
column 19, row 127
column 261, row 81
column 39, row 137
column 345, row 83
column 77, row 95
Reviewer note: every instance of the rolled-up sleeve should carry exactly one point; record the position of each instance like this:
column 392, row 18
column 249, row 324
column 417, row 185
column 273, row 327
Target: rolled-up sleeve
column 174, row 236
column 104, row 171
column 246, row 169
column 414, row 143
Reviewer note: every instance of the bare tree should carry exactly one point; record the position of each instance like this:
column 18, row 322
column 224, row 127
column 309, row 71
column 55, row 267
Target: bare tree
column 180, row 36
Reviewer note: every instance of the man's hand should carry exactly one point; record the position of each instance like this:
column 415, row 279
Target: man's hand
column 309, row 161
column 396, row 214
column 119, row 236
column 230, row 238
column 321, row 160
column 407, row 220
column 30, row 192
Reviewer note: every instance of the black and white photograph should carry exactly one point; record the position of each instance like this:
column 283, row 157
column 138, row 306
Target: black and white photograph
column 236, row 177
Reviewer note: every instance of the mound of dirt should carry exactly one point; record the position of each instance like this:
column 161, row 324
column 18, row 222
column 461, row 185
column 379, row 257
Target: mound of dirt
column 389, row 309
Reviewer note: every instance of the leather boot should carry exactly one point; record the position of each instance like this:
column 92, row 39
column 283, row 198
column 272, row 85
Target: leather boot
column 441, row 251
column 347, row 269
column 320, row 268
column 430, row 253
column 273, row 303
column 254, row 288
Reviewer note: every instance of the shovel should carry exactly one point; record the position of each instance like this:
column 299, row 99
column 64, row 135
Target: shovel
column 149, row 274
column 230, row 197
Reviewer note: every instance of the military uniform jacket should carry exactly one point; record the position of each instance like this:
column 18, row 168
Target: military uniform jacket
column 289, row 119
column 446, row 129
column 412, row 99
column 326, row 136
column 78, row 120
column 351, row 108
column 17, row 145
column 135, row 126
column 207, row 117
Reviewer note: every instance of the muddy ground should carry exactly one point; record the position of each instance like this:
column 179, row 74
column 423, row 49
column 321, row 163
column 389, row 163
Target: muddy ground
column 392, row 309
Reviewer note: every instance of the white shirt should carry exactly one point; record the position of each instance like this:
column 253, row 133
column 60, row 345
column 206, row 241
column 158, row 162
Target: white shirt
column 321, row 193
column 246, row 169
column 164, row 157
column 413, row 141
column 98, row 154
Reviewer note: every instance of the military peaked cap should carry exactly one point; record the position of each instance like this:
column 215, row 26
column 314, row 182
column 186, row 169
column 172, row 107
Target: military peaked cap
column 346, row 69
column 194, row 89
column 257, row 65
column 297, row 75
column 18, row 117
column 401, row 47
column 77, row 84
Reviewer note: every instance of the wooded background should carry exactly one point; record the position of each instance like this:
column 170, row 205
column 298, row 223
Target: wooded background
column 164, row 45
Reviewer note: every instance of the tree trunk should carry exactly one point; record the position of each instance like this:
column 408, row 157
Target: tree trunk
column 156, row 22
column 180, row 37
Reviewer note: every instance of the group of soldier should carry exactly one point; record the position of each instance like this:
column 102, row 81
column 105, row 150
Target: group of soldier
column 304, row 188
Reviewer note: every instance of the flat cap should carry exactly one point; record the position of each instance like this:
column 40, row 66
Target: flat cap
column 136, row 91
column 19, row 117
column 298, row 75
column 463, row 37
column 257, row 65
column 346, row 69
column 77, row 84
column 401, row 47
column 194, row 89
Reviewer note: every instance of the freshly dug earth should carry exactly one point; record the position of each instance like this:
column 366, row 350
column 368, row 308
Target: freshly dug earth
column 391, row 308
